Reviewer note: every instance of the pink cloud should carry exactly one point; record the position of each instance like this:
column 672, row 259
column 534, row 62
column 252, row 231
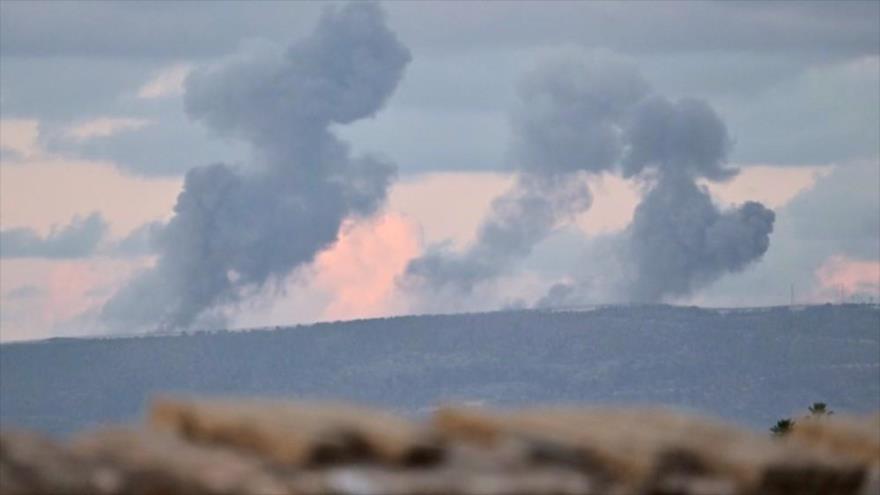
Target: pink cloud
column 771, row 185
column 67, row 291
column 360, row 269
column 448, row 206
column 20, row 136
column 846, row 277
column 68, row 285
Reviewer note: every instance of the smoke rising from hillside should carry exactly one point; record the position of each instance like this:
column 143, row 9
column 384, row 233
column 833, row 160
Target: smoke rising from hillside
column 679, row 240
column 580, row 118
column 518, row 220
column 235, row 230
column 566, row 127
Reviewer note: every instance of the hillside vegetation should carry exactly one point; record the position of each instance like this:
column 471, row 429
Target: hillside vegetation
column 750, row 366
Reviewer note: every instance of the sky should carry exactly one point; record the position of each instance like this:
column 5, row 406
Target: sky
column 172, row 165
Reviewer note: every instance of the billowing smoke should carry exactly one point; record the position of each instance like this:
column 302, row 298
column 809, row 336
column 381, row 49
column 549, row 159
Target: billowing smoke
column 235, row 230
column 679, row 240
column 518, row 220
column 569, row 115
column 566, row 128
column 581, row 118
column 684, row 137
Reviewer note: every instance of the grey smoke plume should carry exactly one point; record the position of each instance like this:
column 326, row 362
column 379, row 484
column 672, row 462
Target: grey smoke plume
column 684, row 137
column 79, row 239
column 679, row 241
column 518, row 220
column 578, row 119
column 567, row 127
column 570, row 114
column 235, row 230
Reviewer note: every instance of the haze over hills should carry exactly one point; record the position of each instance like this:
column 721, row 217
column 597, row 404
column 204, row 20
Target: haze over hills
column 749, row 365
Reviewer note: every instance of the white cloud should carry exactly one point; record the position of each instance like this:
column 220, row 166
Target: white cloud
column 167, row 82
column 19, row 136
column 851, row 279
column 102, row 127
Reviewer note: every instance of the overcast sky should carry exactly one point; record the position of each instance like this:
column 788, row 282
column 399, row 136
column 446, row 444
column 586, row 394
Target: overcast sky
column 98, row 131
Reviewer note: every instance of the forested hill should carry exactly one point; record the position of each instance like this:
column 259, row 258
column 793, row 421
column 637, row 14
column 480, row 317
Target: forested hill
column 749, row 365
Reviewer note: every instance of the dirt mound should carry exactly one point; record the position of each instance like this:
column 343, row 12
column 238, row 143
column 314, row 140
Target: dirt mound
column 253, row 447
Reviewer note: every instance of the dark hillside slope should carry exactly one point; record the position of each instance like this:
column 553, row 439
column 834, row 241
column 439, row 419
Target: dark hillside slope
column 751, row 366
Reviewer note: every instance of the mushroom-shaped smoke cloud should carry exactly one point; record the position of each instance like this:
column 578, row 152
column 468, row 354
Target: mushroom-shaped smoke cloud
column 566, row 128
column 580, row 118
column 235, row 230
column 679, row 240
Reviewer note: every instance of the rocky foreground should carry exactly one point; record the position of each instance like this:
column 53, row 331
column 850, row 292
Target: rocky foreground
column 242, row 447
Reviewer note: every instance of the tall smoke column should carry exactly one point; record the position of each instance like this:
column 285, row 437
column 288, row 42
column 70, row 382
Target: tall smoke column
column 679, row 240
column 567, row 127
column 233, row 230
column 578, row 118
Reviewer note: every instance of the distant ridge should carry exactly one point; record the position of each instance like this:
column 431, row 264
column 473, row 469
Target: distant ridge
column 751, row 365
column 581, row 308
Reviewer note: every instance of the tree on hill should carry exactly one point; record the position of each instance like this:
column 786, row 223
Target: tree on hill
column 820, row 409
column 782, row 427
